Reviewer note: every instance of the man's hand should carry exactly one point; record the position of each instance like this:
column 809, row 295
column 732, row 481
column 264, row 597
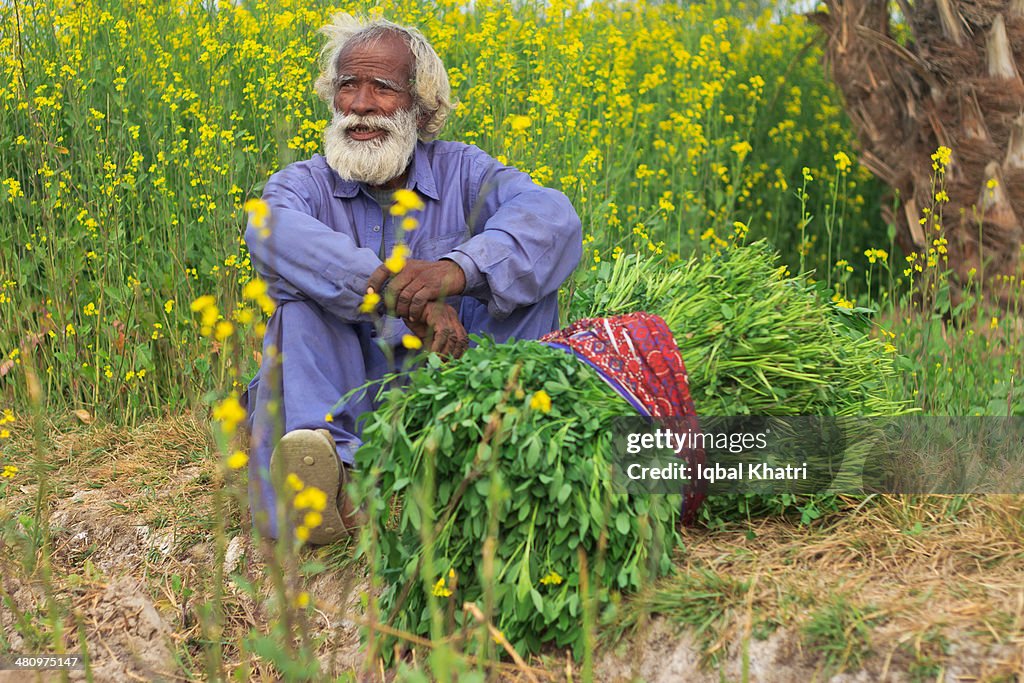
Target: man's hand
column 419, row 283
column 442, row 321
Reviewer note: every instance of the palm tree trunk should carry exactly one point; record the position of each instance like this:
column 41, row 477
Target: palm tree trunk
column 955, row 81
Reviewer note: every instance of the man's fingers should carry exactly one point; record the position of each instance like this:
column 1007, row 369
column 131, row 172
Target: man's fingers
column 402, row 287
column 459, row 339
column 441, row 338
column 402, row 280
column 409, row 298
column 461, row 344
column 446, row 337
column 377, row 279
column 434, row 313
column 418, row 304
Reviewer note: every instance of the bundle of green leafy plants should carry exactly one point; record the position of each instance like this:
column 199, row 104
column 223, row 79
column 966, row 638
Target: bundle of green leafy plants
column 755, row 341
column 500, row 464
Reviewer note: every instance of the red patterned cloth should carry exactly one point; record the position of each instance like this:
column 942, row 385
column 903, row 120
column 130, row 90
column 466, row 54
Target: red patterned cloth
column 637, row 356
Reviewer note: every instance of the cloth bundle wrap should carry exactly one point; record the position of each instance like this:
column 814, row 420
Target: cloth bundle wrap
column 637, row 356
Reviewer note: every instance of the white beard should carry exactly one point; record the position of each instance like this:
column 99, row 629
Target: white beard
column 373, row 162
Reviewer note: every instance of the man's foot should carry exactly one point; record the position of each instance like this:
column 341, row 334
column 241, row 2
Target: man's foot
column 312, row 458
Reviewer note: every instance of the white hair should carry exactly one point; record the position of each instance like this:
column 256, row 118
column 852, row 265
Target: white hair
column 431, row 89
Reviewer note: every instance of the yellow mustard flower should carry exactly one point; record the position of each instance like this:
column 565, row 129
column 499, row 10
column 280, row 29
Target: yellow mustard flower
column 875, row 255
column 229, row 413
column 203, row 303
column 258, row 211
column 842, row 161
column 406, row 201
column 520, row 123
column 237, row 460
column 742, row 149
column 440, row 589
column 842, row 302
column 541, row 401
column 943, row 155
column 223, row 330
column 254, row 289
column 396, row 262
column 370, row 302
column 311, row 498
column 553, row 578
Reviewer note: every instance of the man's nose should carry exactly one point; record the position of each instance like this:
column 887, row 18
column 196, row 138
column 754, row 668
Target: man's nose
column 363, row 101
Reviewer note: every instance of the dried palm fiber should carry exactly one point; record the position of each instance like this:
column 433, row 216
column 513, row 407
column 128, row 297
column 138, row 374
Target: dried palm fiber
column 953, row 81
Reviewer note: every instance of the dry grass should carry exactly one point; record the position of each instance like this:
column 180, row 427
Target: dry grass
column 936, row 584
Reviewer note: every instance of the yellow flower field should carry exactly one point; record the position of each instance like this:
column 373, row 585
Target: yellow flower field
column 139, row 133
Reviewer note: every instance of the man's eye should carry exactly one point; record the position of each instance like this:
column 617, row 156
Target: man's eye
column 346, row 86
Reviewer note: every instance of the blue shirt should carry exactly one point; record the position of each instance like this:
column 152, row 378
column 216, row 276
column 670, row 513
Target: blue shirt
column 515, row 240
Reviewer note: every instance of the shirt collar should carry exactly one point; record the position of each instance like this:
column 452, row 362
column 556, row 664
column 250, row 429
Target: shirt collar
column 421, row 177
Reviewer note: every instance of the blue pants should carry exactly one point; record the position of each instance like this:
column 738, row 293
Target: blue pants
column 320, row 358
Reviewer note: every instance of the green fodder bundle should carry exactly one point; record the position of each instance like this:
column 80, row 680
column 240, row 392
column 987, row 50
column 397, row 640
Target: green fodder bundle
column 755, row 342
column 501, row 462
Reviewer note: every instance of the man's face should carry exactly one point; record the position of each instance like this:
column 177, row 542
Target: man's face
column 374, row 78
column 373, row 133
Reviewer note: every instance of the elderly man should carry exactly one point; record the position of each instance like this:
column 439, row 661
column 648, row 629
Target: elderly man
column 488, row 255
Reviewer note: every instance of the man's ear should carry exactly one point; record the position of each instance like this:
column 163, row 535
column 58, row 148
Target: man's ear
column 421, row 120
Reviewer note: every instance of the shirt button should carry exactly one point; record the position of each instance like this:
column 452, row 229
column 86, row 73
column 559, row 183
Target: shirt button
column 376, row 228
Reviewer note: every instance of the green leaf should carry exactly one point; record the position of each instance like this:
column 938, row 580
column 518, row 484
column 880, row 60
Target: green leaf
column 622, row 523
column 564, row 492
column 524, row 585
column 538, row 601
column 412, row 512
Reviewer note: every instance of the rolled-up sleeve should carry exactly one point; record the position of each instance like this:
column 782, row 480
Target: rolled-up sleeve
column 530, row 242
column 300, row 257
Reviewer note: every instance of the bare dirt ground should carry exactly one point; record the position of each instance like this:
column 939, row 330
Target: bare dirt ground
column 893, row 589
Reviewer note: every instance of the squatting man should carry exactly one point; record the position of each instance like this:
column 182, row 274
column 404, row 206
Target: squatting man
column 488, row 256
